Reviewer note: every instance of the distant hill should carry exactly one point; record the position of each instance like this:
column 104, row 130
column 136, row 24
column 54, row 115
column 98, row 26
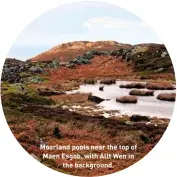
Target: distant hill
column 68, row 51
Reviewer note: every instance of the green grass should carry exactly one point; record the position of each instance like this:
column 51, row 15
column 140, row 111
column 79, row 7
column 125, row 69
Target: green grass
column 14, row 95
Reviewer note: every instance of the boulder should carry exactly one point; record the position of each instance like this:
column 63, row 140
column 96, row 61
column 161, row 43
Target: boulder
column 95, row 99
column 35, row 69
column 164, row 54
column 138, row 118
column 101, row 88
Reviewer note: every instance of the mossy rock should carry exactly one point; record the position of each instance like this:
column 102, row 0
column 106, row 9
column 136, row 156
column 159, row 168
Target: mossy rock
column 24, row 75
column 16, row 94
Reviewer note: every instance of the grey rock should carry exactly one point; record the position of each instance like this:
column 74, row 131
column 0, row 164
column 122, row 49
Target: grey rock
column 35, row 69
column 164, row 54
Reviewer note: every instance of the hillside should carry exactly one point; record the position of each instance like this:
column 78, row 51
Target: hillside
column 85, row 60
column 67, row 51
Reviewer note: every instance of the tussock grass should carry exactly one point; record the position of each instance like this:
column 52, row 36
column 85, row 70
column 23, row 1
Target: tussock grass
column 108, row 81
column 160, row 86
column 167, row 96
column 133, row 85
column 142, row 92
column 127, row 99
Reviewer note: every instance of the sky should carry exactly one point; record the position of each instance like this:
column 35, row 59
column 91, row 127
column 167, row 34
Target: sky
column 85, row 21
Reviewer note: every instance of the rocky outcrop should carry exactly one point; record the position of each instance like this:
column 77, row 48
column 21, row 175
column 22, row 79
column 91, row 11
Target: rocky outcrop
column 16, row 71
column 150, row 57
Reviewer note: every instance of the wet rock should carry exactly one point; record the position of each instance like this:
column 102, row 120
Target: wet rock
column 95, row 99
column 101, row 88
column 137, row 118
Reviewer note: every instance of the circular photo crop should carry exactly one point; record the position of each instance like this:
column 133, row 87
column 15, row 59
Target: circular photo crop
column 88, row 89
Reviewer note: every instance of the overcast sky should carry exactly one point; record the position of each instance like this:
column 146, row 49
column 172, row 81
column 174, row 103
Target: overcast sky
column 89, row 21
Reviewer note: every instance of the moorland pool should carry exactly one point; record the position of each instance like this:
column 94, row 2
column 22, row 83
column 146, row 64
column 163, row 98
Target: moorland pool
column 147, row 105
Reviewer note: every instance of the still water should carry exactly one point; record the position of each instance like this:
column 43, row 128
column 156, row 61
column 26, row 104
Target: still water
column 147, row 105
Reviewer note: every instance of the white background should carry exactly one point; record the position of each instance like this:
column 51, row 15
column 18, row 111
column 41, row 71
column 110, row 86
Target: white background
column 15, row 15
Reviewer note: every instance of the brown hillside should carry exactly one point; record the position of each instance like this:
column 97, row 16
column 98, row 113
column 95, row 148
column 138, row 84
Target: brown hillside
column 68, row 51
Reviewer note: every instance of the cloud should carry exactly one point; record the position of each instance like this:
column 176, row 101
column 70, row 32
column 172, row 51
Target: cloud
column 110, row 22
